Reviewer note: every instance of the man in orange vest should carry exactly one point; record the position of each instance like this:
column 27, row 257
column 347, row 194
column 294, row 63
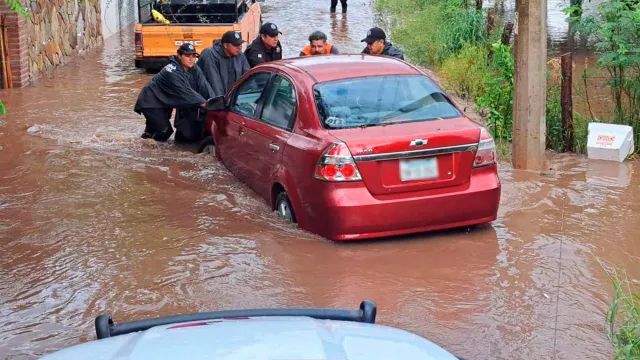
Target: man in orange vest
column 318, row 45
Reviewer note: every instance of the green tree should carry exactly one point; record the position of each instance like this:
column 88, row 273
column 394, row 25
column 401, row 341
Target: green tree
column 616, row 30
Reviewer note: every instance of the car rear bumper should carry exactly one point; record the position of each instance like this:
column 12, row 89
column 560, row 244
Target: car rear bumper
column 350, row 212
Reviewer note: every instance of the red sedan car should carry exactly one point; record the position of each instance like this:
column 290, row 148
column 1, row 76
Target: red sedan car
column 356, row 146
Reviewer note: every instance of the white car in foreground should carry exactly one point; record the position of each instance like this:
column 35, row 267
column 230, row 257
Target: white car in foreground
column 310, row 334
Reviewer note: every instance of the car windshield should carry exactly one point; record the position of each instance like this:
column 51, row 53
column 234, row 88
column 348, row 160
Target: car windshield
column 381, row 100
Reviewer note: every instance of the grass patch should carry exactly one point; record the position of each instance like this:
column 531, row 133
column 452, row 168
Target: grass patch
column 503, row 149
column 623, row 317
column 555, row 132
column 466, row 72
column 580, row 133
column 430, row 31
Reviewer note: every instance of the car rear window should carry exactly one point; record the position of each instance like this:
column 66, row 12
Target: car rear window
column 381, row 100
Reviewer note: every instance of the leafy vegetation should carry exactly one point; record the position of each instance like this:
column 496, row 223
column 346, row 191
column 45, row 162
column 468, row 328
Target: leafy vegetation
column 466, row 72
column 498, row 98
column 556, row 134
column 623, row 317
column 555, row 131
column 616, row 30
column 431, row 31
column 451, row 37
column 15, row 5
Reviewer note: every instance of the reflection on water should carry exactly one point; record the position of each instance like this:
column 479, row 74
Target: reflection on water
column 95, row 220
column 558, row 29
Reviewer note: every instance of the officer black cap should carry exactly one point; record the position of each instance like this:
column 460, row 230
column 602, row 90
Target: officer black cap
column 374, row 34
column 270, row 29
column 187, row 49
column 233, row 38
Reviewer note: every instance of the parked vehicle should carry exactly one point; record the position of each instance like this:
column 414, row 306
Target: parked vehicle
column 356, row 146
column 164, row 25
column 255, row 334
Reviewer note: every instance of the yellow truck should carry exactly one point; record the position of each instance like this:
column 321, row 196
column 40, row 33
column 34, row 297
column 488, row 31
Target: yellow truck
column 164, row 25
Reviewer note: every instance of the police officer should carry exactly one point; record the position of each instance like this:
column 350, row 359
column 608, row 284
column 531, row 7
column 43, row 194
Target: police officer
column 265, row 47
column 377, row 44
column 179, row 85
column 224, row 63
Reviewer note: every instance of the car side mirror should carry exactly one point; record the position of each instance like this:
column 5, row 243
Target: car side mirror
column 216, row 103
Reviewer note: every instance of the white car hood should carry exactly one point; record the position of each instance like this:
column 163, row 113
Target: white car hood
column 272, row 338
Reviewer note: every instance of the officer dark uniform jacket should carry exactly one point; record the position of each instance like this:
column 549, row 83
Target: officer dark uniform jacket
column 173, row 87
column 223, row 71
column 376, row 34
column 257, row 53
column 328, row 49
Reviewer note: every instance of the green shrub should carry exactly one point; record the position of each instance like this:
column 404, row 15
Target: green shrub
column 580, row 133
column 466, row 72
column 555, row 133
column 616, row 29
column 623, row 318
column 431, row 31
column 498, row 99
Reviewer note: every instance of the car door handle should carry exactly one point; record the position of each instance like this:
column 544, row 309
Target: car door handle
column 240, row 132
column 274, row 147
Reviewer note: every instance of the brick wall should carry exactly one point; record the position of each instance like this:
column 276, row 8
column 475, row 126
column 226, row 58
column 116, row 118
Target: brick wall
column 17, row 44
column 55, row 31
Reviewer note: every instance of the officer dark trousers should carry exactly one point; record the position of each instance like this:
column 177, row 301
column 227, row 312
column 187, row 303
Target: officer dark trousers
column 334, row 3
column 158, row 124
column 189, row 124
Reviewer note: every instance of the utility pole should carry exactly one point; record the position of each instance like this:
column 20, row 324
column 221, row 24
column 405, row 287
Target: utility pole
column 530, row 85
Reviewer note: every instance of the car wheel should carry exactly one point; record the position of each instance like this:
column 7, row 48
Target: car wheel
column 207, row 146
column 284, row 208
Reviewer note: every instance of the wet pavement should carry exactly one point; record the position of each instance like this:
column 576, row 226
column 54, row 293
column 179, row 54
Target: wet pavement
column 95, row 220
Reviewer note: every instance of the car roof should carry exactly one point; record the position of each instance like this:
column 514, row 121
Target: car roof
column 324, row 68
column 262, row 337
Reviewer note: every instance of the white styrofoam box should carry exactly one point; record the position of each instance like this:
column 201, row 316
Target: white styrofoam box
column 609, row 142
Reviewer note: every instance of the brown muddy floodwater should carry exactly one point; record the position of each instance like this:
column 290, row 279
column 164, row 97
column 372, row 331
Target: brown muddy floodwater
column 94, row 220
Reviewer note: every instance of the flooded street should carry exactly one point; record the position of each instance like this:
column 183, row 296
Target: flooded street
column 95, row 220
column 559, row 37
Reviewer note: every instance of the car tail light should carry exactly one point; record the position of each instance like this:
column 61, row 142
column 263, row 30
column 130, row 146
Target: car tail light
column 138, row 41
column 486, row 154
column 337, row 164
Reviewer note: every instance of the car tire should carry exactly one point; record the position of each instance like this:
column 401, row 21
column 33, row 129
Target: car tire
column 207, row 146
column 284, row 208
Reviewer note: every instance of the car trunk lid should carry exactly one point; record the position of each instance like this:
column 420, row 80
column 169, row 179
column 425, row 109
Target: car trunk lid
column 413, row 156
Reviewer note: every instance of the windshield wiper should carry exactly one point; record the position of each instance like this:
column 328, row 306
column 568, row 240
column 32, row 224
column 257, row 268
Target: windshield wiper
column 367, row 125
column 409, row 108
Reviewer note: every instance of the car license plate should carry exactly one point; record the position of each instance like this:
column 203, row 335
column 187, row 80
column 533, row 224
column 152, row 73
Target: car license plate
column 418, row 169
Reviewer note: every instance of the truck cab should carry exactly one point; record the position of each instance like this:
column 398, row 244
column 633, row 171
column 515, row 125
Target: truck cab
column 164, row 25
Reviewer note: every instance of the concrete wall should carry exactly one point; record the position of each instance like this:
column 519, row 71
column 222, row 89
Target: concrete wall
column 55, row 31
column 117, row 15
